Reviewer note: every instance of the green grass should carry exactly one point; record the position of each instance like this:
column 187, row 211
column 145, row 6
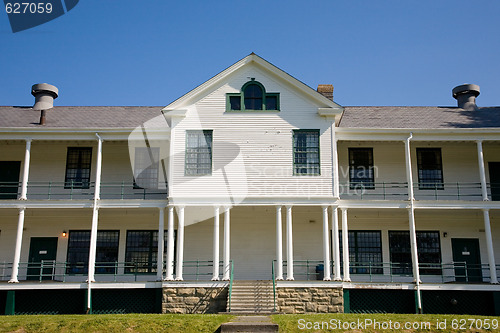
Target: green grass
column 290, row 323
column 210, row 323
column 113, row 323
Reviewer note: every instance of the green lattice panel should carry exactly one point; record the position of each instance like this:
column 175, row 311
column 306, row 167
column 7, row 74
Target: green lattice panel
column 458, row 302
column 125, row 301
column 382, row 301
column 49, row 301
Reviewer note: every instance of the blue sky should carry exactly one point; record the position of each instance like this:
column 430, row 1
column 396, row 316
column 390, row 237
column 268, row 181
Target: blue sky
column 150, row 52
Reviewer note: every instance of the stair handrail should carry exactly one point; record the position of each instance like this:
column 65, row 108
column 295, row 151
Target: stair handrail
column 274, row 286
column 230, row 285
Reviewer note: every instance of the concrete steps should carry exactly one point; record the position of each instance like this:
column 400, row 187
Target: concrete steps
column 249, row 324
column 252, row 297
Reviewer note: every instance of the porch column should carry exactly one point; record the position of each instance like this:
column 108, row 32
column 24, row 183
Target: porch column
column 335, row 163
column 180, row 243
column 161, row 244
column 336, row 245
column 216, row 245
column 170, row 245
column 26, row 170
column 482, row 173
column 345, row 245
column 227, row 264
column 326, row 245
column 289, row 244
column 279, row 245
column 17, row 251
column 489, row 245
column 95, row 213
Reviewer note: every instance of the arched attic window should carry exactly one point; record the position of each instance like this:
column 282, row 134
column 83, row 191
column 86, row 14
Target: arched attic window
column 253, row 97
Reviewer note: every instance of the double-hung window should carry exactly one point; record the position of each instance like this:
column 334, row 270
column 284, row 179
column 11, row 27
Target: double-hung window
column 198, row 153
column 430, row 169
column 141, row 253
column 306, row 159
column 361, row 168
column 365, row 251
column 146, row 167
column 106, row 251
column 78, row 163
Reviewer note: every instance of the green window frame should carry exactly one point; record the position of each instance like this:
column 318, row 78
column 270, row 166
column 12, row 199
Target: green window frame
column 306, row 152
column 253, row 97
column 198, row 158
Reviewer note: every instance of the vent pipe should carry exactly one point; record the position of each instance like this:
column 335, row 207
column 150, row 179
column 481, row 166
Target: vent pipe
column 44, row 98
column 465, row 95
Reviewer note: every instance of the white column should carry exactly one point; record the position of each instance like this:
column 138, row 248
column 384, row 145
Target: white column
column 289, row 244
column 409, row 176
column 161, row 244
column 413, row 243
column 95, row 212
column 17, row 251
column 345, row 245
column 336, row 245
column 180, row 243
column 335, row 163
column 227, row 248
column 26, row 170
column 216, row 245
column 326, row 245
column 489, row 245
column 170, row 245
column 482, row 173
column 279, row 245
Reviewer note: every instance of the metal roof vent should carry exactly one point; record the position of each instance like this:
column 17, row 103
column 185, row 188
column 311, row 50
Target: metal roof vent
column 44, row 96
column 466, row 96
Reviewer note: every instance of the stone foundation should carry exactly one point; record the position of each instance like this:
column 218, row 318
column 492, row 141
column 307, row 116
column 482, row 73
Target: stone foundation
column 310, row 300
column 194, row 300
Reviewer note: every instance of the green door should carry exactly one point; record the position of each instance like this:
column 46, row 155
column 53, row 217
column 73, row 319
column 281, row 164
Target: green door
column 495, row 180
column 43, row 252
column 9, row 179
column 467, row 259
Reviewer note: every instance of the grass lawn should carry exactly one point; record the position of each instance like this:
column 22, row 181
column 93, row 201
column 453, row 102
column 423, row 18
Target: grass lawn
column 210, row 323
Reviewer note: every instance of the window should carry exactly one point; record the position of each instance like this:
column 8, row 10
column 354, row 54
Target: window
column 198, row 153
column 146, row 167
column 365, row 252
column 253, row 97
column 430, row 169
column 106, row 251
column 361, row 168
column 428, row 248
column 306, row 152
column 141, row 253
column 78, row 163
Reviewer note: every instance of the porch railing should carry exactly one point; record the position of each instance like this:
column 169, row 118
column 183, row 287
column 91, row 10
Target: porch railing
column 395, row 272
column 80, row 191
column 230, row 291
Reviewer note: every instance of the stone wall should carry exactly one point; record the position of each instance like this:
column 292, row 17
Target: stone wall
column 194, row 300
column 310, row 300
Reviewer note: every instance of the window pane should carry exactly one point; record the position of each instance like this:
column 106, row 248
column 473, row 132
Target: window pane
column 306, row 152
column 271, row 103
column 198, row 160
column 235, row 102
column 146, row 166
column 365, row 252
column 361, row 168
column 430, row 168
column 253, row 97
column 78, row 162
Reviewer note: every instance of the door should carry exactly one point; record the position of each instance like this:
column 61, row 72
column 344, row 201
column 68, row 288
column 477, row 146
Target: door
column 9, row 179
column 495, row 180
column 467, row 259
column 42, row 256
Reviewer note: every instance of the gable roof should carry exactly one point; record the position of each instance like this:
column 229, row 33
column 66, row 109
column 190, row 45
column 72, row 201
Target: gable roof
column 419, row 117
column 252, row 58
column 125, row 117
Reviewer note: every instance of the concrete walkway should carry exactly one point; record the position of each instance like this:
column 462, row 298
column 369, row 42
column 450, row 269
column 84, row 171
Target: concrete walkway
column 249, row 324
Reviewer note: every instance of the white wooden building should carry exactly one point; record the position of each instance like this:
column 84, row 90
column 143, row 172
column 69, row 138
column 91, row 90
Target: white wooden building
column 262, row 175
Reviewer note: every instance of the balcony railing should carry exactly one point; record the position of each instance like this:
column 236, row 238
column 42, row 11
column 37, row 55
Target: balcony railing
column 459, row 272
column 422, row 191
column 80, row 191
